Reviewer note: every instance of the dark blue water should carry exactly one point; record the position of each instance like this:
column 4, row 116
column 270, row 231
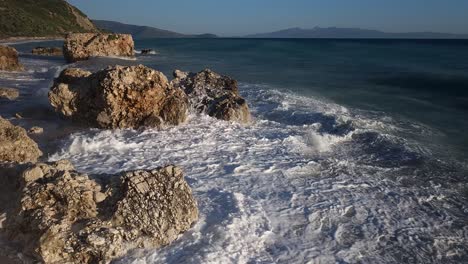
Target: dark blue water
column 421, row 80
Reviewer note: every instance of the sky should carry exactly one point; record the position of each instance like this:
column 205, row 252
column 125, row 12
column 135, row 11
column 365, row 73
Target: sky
column 241, row 17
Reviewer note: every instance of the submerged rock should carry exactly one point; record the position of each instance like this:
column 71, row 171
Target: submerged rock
column 213, row 94
column 119, row 97
column 63, row 216
column 15, row 145
column 48, row 51
column 9, row 93
column 147, row 51
column 9, row 59
column 82, row 46
column 36, row 130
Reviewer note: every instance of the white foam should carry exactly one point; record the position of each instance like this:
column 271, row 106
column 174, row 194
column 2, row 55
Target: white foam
column 283, row 189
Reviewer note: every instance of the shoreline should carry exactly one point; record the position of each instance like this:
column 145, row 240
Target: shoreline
column 20, row 40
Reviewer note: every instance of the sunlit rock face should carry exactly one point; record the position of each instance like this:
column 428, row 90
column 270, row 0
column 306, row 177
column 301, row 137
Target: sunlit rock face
column 9, row 59
column 15, row 144
column 82, row 46
column 119, row 97
column 62, row 216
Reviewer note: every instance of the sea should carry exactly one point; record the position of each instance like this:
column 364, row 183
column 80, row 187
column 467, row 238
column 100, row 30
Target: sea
column 357, row 152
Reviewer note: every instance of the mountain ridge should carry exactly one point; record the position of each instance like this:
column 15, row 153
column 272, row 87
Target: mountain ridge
column 335, row 32
column 143, row 32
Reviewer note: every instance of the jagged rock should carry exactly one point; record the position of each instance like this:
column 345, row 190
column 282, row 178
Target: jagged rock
column 147, row 51
column 9, row 93
column 82, row 46
column 213, row 94
column 36, row 130
column 63, row 216
column 9, row 59
column 48, row 51
column 15, row 145
column 119, row 97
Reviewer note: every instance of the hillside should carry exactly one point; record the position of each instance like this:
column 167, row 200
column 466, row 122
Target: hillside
column 39, row 18
column 334, row 32
column 143, row 32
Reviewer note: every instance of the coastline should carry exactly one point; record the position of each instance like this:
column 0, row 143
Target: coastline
column 20, row 40
column 240, row 156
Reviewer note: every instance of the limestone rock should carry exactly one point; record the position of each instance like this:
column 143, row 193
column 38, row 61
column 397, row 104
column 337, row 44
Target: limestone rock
column 119, row 97
column 213, row 94
column 9, row 93
column 82, row 46
column 36, row 130
column 58, row 218
column 48, row 51
column 9, row 59
column 15, row 145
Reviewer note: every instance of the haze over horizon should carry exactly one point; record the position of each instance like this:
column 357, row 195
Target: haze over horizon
column 242, row 17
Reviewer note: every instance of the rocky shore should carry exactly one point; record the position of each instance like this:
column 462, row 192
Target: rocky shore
column 9, row 59
column 52, row 213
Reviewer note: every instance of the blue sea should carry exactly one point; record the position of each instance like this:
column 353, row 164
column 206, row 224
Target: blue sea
column 358, row 152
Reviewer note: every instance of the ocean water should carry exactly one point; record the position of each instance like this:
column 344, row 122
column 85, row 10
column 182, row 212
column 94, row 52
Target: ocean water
column 358, row 152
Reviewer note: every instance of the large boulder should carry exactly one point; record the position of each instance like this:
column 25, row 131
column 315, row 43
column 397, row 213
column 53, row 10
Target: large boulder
column 9, row 93
column 9, row 59
column 15, row 145
column 213, row 94
column 62, row 216
column 119, row 97
column 47, row 51
column 82, row 46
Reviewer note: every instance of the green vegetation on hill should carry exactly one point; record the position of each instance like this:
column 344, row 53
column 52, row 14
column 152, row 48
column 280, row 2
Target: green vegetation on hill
column 39, row 18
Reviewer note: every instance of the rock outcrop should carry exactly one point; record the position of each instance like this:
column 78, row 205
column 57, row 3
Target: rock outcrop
column 213, row 94
column 62, row 216
column 47, row 51
column 147, row 51
column 82, row 46
column 9, row 93
column 36, row 130
column 9, row 59
column 15, row 145
column 119, row 97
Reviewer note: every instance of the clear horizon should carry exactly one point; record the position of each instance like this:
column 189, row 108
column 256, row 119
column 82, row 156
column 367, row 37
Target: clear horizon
column 242, row 17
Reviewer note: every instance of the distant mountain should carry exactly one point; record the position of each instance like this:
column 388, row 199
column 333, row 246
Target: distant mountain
column 143, row 32
column 44, row 18
column 334, row 32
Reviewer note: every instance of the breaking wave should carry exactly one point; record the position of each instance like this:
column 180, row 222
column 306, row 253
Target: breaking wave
column 308, row 181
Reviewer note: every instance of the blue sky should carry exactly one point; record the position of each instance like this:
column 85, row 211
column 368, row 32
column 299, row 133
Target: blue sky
column 233, row 18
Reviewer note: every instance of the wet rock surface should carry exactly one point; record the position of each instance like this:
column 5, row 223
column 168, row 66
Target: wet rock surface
column 36, row 130
column 213, row 94
column 119, row 97
column 48, row 51
column 82, row 46
column 62, row 216
column 9, row 93
column 9, row 59
column 15, row 145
